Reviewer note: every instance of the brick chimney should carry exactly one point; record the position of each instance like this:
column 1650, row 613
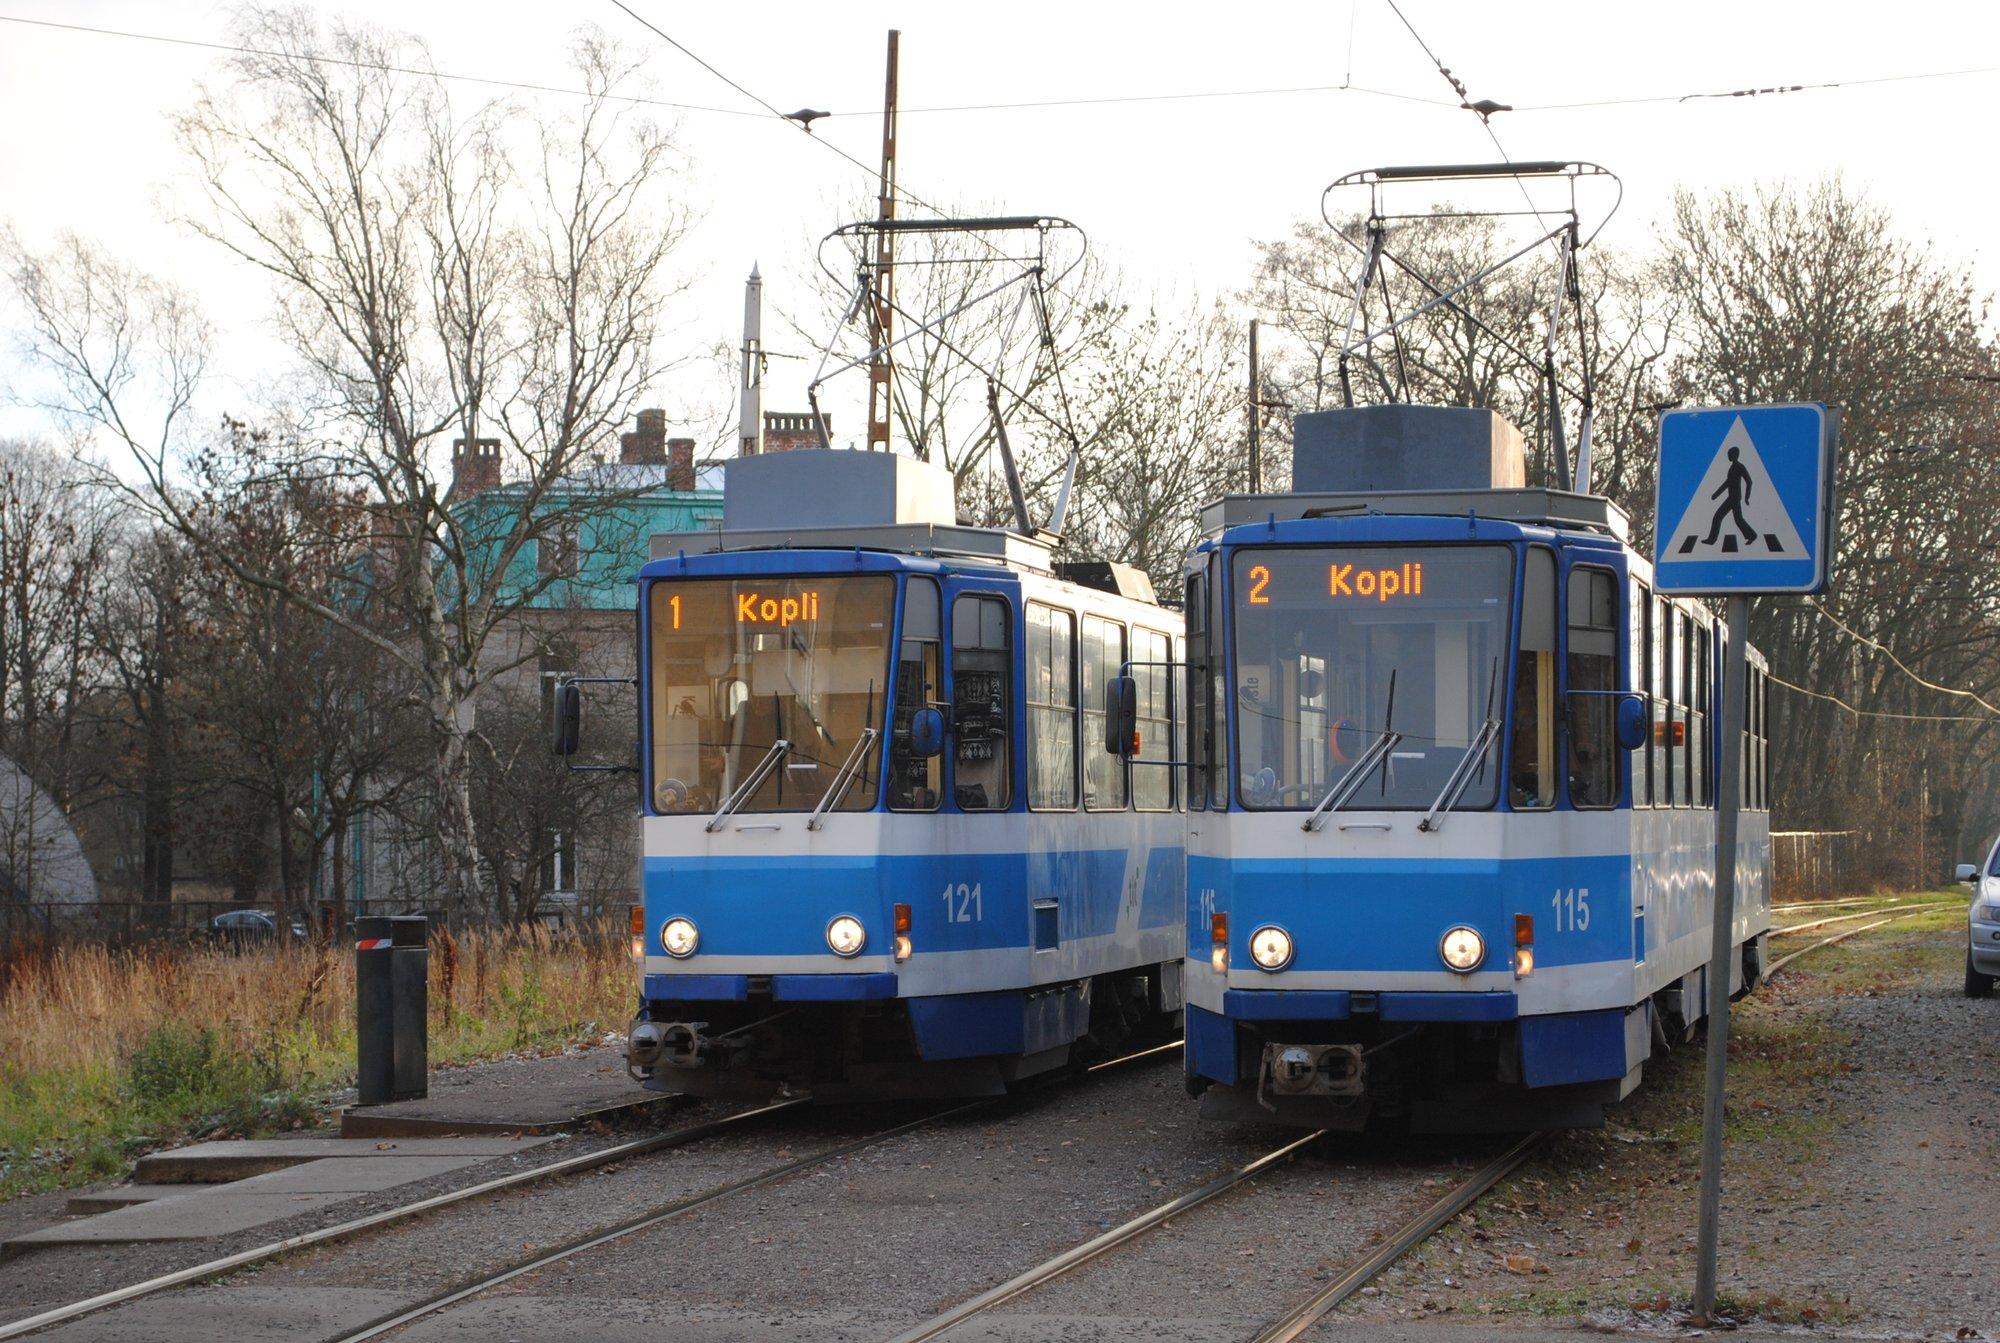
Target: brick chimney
column 680, row 464
column 647, row 444
column 475, row 470
column 789, row 433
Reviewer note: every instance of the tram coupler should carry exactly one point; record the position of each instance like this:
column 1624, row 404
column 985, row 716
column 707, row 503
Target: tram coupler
column 1314, row 1070
column 674, row 1044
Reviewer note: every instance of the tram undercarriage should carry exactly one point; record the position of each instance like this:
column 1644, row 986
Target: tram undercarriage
column 897, row 1048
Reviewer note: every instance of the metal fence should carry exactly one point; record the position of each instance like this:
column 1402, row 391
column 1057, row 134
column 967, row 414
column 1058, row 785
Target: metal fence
column 1809, row 863
column 131, row 922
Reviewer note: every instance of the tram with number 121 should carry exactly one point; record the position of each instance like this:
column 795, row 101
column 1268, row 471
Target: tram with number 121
column 878, row 859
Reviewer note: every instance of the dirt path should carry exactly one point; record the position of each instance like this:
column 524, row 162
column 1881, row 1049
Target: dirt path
column 1862, row 1184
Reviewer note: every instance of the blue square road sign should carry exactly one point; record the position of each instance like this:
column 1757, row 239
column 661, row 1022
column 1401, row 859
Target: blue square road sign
column 1745, row 501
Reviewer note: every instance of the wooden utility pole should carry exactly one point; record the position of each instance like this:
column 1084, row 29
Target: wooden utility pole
column 1256, row 417
column 881, row 384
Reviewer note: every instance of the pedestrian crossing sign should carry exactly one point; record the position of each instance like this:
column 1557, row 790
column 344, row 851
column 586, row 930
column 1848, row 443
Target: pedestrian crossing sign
column 1745, row 501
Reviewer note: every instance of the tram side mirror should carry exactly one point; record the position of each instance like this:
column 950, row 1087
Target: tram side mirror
column 565, row 718
column 1121, row 717
column 1632, row 722
column 927, row 733
column 1968, row 874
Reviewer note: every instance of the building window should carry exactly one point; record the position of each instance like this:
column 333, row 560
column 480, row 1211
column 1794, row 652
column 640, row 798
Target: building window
column 556, row 550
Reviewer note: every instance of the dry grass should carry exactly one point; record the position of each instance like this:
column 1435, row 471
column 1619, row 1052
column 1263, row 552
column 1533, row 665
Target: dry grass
column 106, row 1052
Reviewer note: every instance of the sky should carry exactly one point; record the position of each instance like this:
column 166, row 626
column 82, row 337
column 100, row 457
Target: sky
column 1172, row 192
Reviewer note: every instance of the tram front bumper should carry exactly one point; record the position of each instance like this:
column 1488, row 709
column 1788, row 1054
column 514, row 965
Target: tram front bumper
column 805, row 988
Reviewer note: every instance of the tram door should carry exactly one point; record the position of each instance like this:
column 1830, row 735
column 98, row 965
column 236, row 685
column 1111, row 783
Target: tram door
column 981, row 774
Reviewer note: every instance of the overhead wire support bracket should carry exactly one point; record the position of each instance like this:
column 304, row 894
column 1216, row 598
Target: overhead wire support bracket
column 1567, row 235
column 1039, row 274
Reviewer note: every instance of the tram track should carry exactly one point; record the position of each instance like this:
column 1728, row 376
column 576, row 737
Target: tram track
column 1861, row 914
column 547, row 1257
column 224, row 1265
column 340, row 1231
column 1299, row 1319
column 1292, row 1324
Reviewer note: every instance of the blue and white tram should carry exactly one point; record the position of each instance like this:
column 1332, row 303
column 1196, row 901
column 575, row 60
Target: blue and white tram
column 878, row 861
column 1451, row 845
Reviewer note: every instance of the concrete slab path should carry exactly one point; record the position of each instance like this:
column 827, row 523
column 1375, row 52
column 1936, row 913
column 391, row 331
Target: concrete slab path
column 528, row 1095
column 237, row 1159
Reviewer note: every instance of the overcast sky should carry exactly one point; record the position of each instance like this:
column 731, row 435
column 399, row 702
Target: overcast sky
column 1172, row 192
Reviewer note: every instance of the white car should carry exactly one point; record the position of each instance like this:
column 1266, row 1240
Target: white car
column 1982, row 936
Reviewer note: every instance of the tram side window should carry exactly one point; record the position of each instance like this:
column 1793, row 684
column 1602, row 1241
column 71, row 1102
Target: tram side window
column 1701, row 769
column 1199, row 726
column 1531, row 780
column 1152, row 785
column 1051, row 709
column 1104, row 775
column 1593, row 670
column 916, row 782
column 1659, row 676
column 1641, row 654
column 1758, row 691
column 1683, row 734
column 982, row 700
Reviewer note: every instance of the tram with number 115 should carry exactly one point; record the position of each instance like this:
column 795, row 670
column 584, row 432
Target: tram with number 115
column 1452, row 825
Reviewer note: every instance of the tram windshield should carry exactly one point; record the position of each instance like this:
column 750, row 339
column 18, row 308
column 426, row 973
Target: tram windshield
column 1340, row 648
column 740, row 664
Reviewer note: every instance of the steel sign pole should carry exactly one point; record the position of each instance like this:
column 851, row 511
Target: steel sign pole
column 1728, row 801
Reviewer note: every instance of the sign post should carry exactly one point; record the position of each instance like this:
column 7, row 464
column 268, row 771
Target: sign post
column 1745, row 506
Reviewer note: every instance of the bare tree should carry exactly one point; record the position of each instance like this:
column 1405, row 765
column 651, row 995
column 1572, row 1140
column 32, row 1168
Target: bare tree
column 1805, row 293
column 433, row 293
column 55, row 553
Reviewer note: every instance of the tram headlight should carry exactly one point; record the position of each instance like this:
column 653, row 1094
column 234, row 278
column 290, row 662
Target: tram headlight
column 845, row 935
column 1271, row 948
column 1462, row 949
column 679, row 938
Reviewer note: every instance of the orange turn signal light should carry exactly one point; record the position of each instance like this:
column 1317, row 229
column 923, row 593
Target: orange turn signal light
column 637, row 916
column 1524, row 930
column 902, row 918
column 1218, row 928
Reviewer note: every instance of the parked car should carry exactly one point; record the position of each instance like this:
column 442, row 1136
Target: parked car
column 238, row 928
column 1982, row 924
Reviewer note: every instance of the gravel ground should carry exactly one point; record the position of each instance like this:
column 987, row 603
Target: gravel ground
column 907, row 1228
column 1261, row 1248
column 991, row 1192
column 1860, row 1181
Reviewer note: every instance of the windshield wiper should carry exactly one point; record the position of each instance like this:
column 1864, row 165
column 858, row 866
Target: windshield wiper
column 751, row 783
column 1358, row 772
column 1475, row 755
column 850, row 770
column 1461, row 777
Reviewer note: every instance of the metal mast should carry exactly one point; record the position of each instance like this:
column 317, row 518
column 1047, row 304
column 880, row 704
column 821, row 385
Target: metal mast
column 881, row 385
column 750, row 430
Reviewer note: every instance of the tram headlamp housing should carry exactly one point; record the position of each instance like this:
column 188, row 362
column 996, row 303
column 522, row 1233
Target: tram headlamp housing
column 1462, row 949
column 1271, row 948
column 679, row 937
column 845, row 936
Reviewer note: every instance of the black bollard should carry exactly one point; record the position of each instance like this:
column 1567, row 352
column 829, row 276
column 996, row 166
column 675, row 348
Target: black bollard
column 391, row 1000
